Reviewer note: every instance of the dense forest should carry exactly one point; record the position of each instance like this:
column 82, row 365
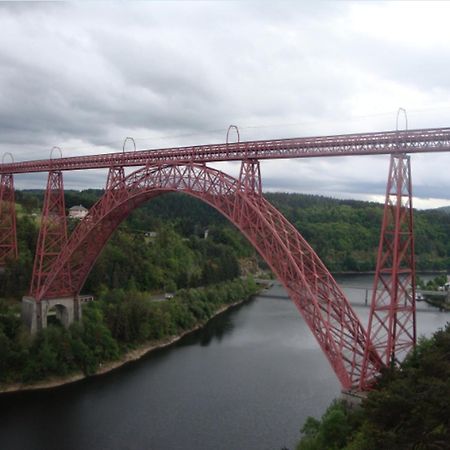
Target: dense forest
column 345, row 233
column 410, row 409
column 162, row 245
column 178, row 244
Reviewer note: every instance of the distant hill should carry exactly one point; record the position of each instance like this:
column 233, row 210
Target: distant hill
column 345, row 233
column 444, row 209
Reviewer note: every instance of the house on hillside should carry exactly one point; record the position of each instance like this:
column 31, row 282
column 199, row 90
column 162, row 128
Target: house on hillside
column 78, row 212
column 150, row 236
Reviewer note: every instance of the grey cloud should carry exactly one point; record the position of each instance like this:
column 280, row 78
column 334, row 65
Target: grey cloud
column 153, row 82
column 408, row 64
column 95, row 73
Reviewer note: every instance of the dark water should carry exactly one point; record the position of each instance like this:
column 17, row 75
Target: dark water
column 245, row 382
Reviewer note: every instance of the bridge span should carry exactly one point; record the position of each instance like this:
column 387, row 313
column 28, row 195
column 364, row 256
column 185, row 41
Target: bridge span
column 380, row 143
column 356, row 354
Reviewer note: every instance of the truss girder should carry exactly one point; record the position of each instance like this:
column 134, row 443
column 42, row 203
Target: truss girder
column 309, row 284
column 392, row 319
column 8, row 233
column 379, row 143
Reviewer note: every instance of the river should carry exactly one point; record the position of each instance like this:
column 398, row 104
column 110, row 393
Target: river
column 247, row 381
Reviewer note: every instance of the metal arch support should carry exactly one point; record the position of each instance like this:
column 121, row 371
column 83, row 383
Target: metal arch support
column 128, row 138
column 309, row 284
column 7, row 154
column 235, row 128
column 52, row 150
column 405, row 115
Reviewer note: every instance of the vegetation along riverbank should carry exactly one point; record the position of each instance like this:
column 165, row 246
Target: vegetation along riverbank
column 118, row 328
column 409, row 409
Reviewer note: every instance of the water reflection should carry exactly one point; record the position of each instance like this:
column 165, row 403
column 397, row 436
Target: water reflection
column 216, row 329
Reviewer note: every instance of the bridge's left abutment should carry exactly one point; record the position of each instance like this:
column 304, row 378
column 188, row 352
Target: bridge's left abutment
column 35, row 313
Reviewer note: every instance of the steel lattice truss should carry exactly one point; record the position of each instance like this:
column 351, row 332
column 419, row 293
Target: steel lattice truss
column 309, row 284
column 392, row 320
column 52, row 239
column 8, row 238
column 387, row 142
column 62, row 264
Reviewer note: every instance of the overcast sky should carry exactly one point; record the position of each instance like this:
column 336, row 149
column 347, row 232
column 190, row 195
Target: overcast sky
column 85, row 76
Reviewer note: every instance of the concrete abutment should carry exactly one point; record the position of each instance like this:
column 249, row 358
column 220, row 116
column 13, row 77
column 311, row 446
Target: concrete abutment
column 35, row 313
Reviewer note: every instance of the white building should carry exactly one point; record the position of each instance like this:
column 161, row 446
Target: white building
column 78, row 212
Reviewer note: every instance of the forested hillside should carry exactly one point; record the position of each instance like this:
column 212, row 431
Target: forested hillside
column 345, row 233
column 162, row 245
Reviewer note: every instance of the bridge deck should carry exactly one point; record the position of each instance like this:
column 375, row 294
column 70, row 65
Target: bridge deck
column 413, row 141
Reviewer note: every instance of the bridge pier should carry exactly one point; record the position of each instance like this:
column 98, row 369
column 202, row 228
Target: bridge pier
column 34, row 313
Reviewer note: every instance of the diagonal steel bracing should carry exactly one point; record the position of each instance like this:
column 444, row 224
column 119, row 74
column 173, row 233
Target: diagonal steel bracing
column 357, row 356
column 8, row 235
column 392, row 319
column 52, row 239
column 379, row 143
column 309, row 284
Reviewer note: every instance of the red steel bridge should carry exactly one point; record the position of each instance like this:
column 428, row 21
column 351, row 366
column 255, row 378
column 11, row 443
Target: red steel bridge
column 356, row 354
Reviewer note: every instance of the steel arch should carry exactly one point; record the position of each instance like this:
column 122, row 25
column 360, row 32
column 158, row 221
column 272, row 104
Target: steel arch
column 309, row 284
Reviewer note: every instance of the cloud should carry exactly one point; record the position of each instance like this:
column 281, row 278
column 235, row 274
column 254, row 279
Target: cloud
column 85, row 76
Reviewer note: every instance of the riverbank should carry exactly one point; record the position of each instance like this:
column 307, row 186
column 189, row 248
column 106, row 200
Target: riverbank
column 441, row 305
column 106, row 367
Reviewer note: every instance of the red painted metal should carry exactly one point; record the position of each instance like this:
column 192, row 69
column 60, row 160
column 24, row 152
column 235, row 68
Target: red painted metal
column 8, row 233
column 392, row 320
column 62, row 265
column 250, row 177
column 115, row 182
column 52, row 239
column 308, row 282
column 414, row 141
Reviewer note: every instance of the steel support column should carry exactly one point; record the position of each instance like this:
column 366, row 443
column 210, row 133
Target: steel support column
column 250, row 177
column 8, row 233
column 114, row 185
column 392, row 320
column 52, row 238
column 115, row 180
column 249, row 183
